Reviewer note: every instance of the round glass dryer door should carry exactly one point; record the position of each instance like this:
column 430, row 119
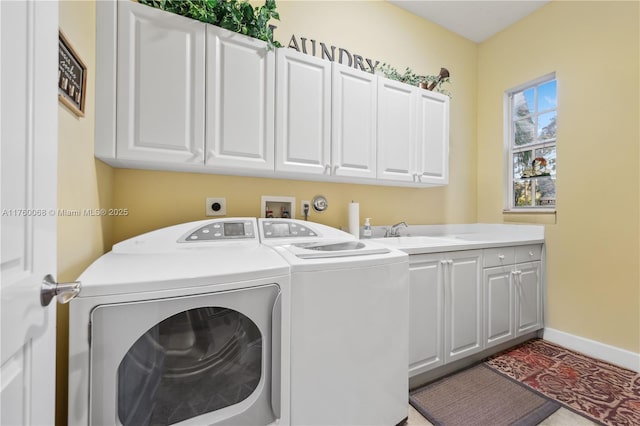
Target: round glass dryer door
column 192, row 363
column 204, row 358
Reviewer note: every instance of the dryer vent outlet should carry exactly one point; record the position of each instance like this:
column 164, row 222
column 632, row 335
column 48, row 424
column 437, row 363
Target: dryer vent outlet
column 215, row 206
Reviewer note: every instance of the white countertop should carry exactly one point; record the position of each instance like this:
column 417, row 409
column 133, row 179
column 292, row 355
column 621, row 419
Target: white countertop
column 419, row 239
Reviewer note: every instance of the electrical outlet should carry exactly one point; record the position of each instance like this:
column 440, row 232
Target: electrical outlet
column 305, row 204
column 215, row 206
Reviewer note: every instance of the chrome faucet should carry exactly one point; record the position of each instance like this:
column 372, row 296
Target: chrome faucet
column 394, row 231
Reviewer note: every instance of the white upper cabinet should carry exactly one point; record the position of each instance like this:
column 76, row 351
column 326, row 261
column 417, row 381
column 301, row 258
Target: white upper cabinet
column 303, row 113
column 160, row 90
column 433, row 138
column 240, row 101
column 173, row 93
column 396, row 141
column 354, row 122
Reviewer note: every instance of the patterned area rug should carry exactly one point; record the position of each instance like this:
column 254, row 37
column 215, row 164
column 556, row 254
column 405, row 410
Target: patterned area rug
column 603, row 392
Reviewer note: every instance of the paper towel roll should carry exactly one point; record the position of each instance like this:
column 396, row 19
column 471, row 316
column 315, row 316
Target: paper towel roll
column 354, row 219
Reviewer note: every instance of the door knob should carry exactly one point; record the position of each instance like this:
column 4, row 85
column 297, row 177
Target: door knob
column 65, row 291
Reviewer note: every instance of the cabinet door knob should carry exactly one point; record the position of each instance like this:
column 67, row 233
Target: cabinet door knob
column 327, row 168
column 530, row 253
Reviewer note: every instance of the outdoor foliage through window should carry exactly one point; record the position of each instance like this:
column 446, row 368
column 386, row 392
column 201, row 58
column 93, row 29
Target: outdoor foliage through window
column 532, row 145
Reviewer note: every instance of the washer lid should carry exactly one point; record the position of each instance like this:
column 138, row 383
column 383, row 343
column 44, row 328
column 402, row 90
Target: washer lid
column 324, row 249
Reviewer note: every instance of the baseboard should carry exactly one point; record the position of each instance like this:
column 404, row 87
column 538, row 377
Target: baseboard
column 608, row 353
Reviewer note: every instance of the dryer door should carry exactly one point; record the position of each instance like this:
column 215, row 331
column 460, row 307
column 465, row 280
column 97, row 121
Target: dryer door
column 203, row 359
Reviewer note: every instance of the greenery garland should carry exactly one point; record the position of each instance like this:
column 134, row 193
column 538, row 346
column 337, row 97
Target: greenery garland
column 233, row 15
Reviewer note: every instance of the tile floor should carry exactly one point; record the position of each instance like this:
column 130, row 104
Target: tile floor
column 562, row 417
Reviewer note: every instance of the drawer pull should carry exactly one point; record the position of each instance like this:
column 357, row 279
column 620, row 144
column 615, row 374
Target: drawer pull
column 501, row 256
column 530, row 253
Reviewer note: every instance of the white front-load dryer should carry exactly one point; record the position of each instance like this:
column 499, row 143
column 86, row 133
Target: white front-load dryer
column 185, row 325
column 349, row 325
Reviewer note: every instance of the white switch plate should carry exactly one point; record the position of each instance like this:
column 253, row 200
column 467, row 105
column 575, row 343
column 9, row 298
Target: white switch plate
column 216, row 206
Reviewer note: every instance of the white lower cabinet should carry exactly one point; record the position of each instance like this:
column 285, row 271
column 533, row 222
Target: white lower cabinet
column 499, row 305
column 512, row 287
column 445, row 308
column 426, row 299
column 464, row 302
column 528, row 297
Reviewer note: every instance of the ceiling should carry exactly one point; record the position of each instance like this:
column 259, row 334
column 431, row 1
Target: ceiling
column 476, row 20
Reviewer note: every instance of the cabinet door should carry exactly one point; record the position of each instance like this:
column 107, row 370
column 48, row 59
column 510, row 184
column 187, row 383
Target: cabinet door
column 396, row 130
column 240, row 101
column 463, row 309
column 303, row 113
column 433, row 138
column 160, row 94
column 354, row 119
column 425, row 315
column 499, row 310
column 529, row 297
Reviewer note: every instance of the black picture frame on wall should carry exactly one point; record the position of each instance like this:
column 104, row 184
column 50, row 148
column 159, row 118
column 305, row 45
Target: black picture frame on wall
column 72, row 77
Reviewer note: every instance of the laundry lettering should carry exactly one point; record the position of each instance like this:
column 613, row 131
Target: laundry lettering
column 314, row 48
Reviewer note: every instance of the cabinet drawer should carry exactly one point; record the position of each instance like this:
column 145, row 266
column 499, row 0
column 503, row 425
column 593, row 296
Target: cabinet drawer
column 499, row 256
column 528, row 253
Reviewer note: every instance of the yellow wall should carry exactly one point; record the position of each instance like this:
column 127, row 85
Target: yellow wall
column 83, row 183
column 593, row 249
column 373, row 29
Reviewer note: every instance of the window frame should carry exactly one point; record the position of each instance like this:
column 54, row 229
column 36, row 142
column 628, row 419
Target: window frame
column 509, row 151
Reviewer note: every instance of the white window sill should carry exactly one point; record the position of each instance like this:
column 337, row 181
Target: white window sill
column 539, row 216
column 529, row 211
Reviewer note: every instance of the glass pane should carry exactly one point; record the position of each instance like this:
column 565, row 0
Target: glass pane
column 546, row 191
column 546, row 186
column 194, row 362
column 547, row 98
column 521, row 165
column 547, row 125
column 523, row 104
column 547, row 160
column 524, row 131
column 522, row 193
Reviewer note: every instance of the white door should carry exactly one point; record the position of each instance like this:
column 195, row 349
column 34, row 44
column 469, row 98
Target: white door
column 354, row 122
column 303, row 113
column 28, row 119
column 396, row 131
column 463, row 307
column 240, row 85
column 426, row 299
column 433, row 138
column 499, row 309
column 160, row 101
column 529, row 296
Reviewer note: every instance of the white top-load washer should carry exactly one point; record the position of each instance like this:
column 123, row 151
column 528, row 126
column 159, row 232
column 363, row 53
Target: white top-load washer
column 184, row 325
column 349, row 325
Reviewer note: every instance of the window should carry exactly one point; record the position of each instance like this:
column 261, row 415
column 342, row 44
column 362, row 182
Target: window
column 531, row 145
